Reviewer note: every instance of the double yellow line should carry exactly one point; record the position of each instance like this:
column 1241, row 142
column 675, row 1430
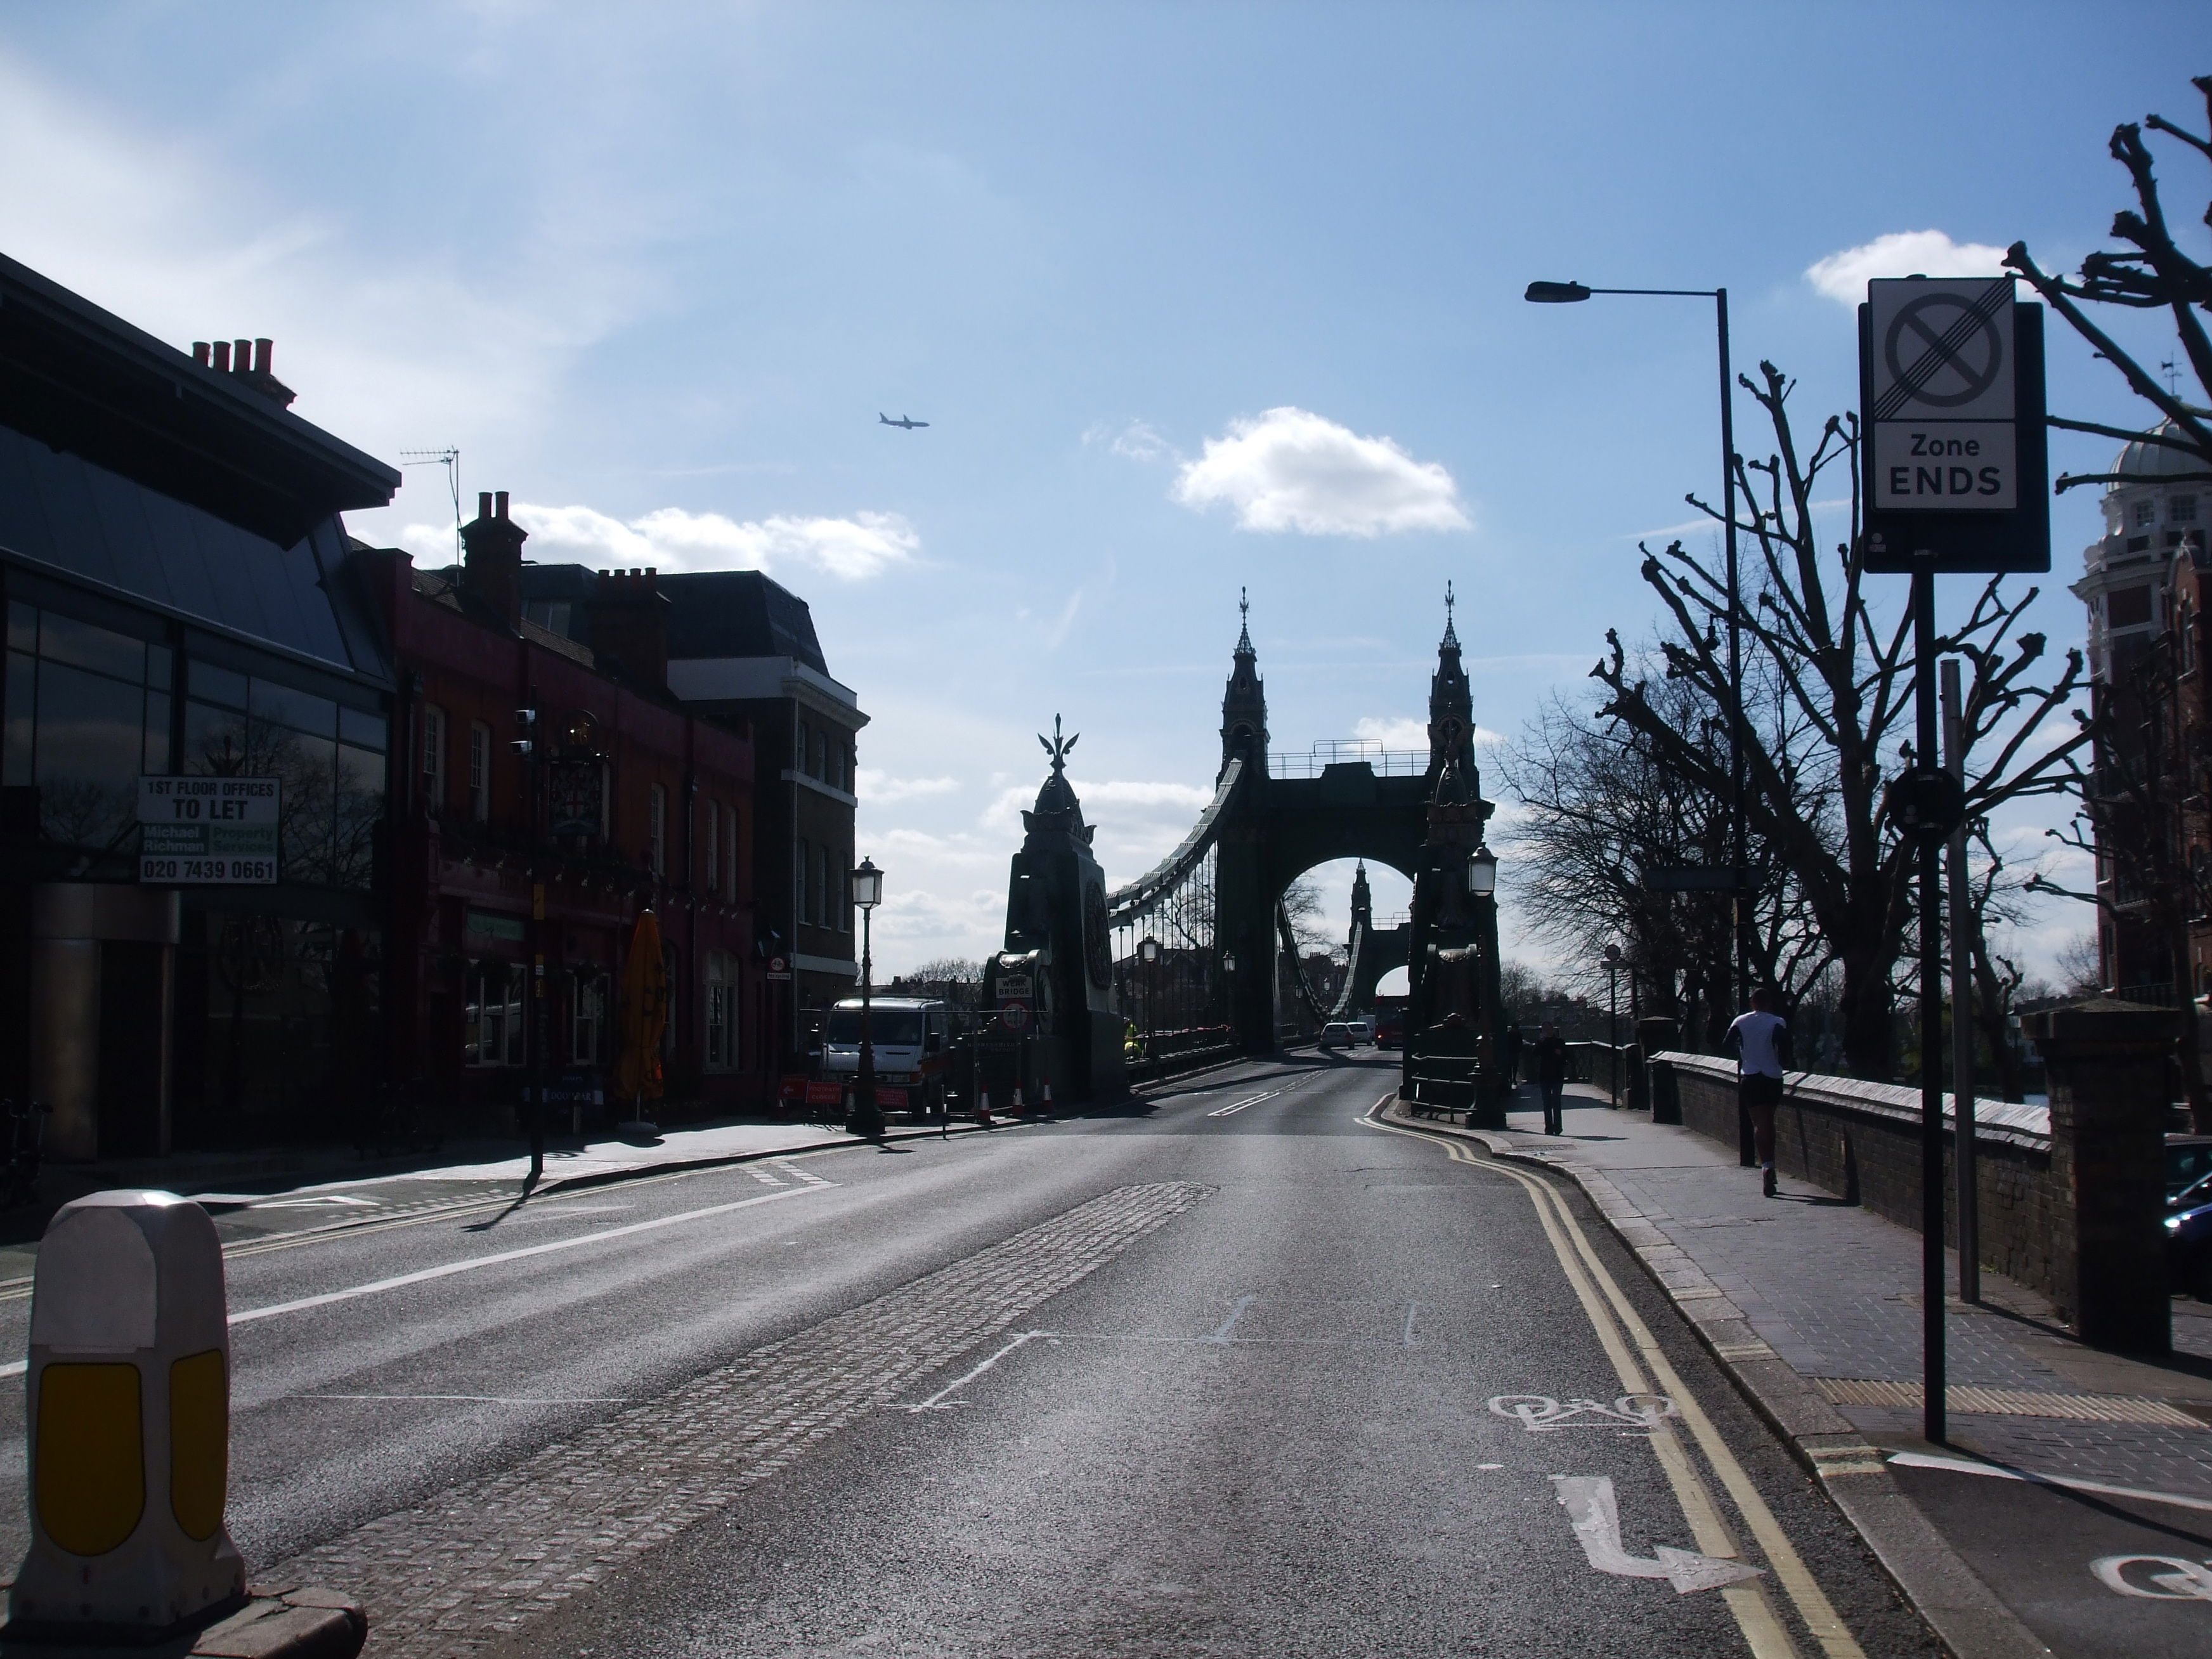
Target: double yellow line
column 1643, row 1368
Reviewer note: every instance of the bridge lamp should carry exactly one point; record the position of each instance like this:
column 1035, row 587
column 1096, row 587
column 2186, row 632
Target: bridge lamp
column 1482, row 872
column 1148, row 952
column 867, row 1118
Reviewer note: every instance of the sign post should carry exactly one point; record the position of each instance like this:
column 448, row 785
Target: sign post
column 1958, row 469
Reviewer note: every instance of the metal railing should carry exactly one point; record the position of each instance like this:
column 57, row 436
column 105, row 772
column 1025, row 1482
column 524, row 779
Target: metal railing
column 1338, row 751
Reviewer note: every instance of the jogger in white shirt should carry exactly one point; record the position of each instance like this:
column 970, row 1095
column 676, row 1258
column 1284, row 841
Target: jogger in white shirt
column 1761, row 1041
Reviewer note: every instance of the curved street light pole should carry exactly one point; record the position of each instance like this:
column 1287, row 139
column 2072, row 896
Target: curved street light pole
column 1573, row 293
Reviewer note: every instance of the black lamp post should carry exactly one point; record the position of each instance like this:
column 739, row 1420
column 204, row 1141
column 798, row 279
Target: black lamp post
column 1613, row 1019
column 1148, row 952
column 867, row 1119
column 1571, row 293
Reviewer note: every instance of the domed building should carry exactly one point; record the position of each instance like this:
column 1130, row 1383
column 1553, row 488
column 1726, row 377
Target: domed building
column 2147, row 584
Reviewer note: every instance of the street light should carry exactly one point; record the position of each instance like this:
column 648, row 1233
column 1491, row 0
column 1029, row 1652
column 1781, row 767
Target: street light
column 1482, row 872
column 1556, row 294
column 1613, row 1019
column 1148, row 952
column 867, row 1118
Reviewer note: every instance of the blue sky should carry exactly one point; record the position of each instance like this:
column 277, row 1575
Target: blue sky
column 655, row 270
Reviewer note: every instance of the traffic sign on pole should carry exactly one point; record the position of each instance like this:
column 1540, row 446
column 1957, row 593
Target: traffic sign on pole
column 1951, row 400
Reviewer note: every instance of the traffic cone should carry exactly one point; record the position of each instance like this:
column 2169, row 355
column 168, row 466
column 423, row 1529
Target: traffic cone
column 1017, row 1107
column 984, row 1108
column 1045, row 1105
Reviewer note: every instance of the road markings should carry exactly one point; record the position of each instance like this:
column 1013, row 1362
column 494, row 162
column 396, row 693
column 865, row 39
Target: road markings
column 1238, row 1106
column 1410, row 1309
column 1221, row 1331
column 1595, row 1515
column 760, row 1173
column 937, row 1402
column 481, row 1398
column 1540, row 1414
column 1617, row 1323
column 2183, row 1581
column 2000, row 1472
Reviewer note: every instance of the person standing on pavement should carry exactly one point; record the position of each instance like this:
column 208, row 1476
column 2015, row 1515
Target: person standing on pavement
column 1761, row 1041
column 1552, row 1074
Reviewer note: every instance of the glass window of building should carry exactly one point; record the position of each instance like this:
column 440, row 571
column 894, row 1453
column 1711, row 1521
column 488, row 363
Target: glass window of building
column 587, row 1018
column 2182, row 509
column 714, row 838
column 88, row 712
column 433, row 757
column 491, row 1015
column 721, row 1010
column 657, row 828
column 479, row 770
column 2146, row 513
column 806, row 871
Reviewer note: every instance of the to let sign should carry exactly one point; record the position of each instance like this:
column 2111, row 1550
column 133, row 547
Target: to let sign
column 200, row 832
column 1951, row 396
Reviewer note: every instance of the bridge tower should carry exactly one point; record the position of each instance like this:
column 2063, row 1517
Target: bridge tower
column 1363, row 902
column 1451, row 706
column 1244, row 703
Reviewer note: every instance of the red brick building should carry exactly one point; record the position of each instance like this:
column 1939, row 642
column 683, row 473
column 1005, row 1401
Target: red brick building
column 500, row 860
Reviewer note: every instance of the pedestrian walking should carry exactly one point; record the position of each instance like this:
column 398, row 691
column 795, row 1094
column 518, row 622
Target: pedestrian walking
column 1761, row 1041
column 1552, row 1075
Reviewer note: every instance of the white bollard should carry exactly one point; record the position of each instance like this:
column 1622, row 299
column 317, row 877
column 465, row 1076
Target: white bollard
column 128, row 1396
column 1045, row 1105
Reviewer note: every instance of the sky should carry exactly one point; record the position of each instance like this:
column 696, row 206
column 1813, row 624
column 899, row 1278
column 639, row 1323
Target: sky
column 1196, row 298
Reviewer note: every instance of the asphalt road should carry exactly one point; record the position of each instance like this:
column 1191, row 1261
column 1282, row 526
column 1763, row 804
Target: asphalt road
column 1231, row 1372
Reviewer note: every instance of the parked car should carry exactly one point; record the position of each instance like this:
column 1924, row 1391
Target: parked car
column 2188, row 1214
column 2188, row 1161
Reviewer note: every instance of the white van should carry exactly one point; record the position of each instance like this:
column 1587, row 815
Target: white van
column 912, row 1041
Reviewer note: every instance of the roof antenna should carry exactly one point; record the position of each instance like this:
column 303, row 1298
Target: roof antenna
column 450, row 458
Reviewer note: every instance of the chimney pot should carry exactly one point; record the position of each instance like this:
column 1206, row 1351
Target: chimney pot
column 264, row 356
column 241, row 359
column 223, row 355
column 500, row 500
column 200, row 349
column 483, row 503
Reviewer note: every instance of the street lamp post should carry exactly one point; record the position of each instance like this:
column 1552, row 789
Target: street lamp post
column 1573, row 293
column 1148, row 952
column 867, row 1118
column 1612, row 1020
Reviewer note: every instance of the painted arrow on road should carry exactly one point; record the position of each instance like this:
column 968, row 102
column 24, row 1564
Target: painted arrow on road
column 1590, row 1503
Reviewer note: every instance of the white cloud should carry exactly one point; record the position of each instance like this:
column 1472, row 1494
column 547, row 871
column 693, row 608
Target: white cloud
column 881, row 789
column 670, row 538
column 1137, row 441
column 1405, row 732
column 1290, row 469
column 1400, row 734
column 1844, row 277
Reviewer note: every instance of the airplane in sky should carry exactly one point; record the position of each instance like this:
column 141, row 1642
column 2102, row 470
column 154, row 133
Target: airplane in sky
column 901, row 421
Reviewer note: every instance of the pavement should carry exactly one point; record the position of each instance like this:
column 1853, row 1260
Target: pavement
column 1239, row 1370
column 2070, row 1511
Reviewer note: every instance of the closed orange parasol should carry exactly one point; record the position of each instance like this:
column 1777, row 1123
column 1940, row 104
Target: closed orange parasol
column 644, row 1013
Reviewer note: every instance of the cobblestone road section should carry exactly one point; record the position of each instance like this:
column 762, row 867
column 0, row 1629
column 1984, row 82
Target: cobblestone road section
column 482, row 1559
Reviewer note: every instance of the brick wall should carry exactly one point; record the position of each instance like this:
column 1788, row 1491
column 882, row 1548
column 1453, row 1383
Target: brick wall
column 1862, row 1142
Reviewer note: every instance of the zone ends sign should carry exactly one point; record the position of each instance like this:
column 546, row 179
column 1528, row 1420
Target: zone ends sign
column 1951, row 402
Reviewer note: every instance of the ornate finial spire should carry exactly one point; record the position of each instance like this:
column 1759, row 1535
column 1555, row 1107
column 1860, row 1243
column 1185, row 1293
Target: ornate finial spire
column 1057, row 747
column 1244, row 616
column 1451, row 632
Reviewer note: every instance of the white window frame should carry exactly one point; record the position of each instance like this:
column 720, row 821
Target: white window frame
column 433, row 769
column 657, row 828
column 587, row 1018
column 479, row 771
column 721, row 1021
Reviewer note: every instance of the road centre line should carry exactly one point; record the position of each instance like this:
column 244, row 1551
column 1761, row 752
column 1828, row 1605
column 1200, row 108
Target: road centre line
column 481, row 1398
column 425, row 1275
column 936, row 1401
column 1238, row 1106
column 1589, row 1276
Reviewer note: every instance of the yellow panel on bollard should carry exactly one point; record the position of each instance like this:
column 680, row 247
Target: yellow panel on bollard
column 128, row 1393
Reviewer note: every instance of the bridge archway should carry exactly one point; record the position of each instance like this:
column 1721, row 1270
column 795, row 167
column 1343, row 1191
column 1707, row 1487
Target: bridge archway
column 1274, row 817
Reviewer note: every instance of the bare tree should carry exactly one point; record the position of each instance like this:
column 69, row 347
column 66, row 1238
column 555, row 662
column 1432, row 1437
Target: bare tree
column 2153, row 274
column 1842, row 675
column 2080, row 966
